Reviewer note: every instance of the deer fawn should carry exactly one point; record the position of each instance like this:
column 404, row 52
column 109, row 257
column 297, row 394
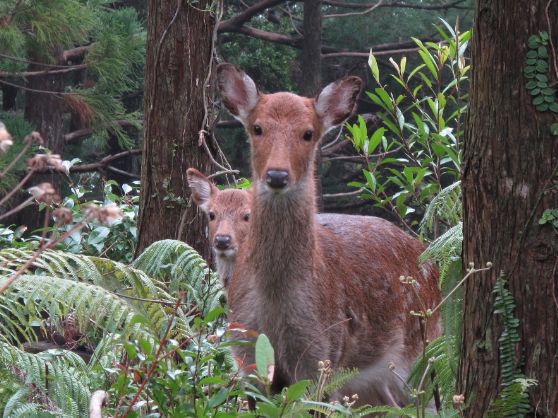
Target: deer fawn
column 317, row 294
column 228, row 212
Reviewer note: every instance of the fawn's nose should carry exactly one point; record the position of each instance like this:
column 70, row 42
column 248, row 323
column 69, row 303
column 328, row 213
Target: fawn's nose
column 277, row 179
column 222, row 242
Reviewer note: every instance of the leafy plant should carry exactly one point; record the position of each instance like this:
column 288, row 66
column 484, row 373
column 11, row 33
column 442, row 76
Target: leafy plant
column 416, row 151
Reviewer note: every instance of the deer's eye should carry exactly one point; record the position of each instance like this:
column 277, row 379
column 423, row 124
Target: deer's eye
column 308, row 135
column 257, row 130
column 246, row 217
column 211, row 216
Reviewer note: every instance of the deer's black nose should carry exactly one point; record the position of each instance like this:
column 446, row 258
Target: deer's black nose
column 222, row 242
column 277, row 179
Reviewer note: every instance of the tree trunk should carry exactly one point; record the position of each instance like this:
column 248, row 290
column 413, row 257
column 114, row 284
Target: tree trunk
column 178, row 59
column 311, row 64
column 510, row 158
column 9, row 96
column 45, row 112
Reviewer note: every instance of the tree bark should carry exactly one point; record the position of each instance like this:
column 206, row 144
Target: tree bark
column 178, row 60
column 311, row 65
column 509, row 179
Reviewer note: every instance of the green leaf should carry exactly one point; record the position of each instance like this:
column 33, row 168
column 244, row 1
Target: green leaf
column 541, row 77
column 297, row 390
column 538, row 100
column 218, row 398
column 542, row 107
column 554, row 129
column 268, row 410
column 429, row 61
column 553, row 107
column 535, row 91
column 375, row 140
column 542, row 52
column 265, row 356
column 532, row 54
column 373, row 64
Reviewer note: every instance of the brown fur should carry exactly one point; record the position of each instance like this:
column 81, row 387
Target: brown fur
column 317, row 293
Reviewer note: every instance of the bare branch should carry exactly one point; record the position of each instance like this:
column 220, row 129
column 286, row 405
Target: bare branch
column 365, row 12
column 43, row 72
column 234, row 23
column 398, row 4
column 83, row 133
column 76, row 52
column 367, row 54
column 278, row 38
column 104, row 162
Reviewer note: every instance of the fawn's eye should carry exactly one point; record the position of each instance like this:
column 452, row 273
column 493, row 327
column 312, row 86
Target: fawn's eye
column 308, row 135
column 246, row 217
column 257, row 130
column 211, row 216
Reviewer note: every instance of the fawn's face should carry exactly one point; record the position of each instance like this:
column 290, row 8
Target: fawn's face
column 228, row 213
column 284, row 128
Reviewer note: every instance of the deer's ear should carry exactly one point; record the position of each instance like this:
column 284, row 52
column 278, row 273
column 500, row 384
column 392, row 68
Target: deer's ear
column 337, row 101
column 238, row 91
column 202, row 188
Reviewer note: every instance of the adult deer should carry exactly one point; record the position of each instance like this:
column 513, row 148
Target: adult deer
column 228, row 215
column 316, row 294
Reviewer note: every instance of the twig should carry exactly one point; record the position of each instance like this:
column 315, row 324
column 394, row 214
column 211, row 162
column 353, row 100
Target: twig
column 469, row 273
column 335, row 195
column 25, row 203
column 38, row 252
column 549, row 28
column 367, row 54
column 43, row 72
column 160, row 302
column 16, row 159
column 365, row 12
column 342, row 321
column 11, row 57
column 224, row 172
column 17, row 187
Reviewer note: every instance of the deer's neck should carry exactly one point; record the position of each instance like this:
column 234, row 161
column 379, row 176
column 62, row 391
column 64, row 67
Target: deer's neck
column 282, row 238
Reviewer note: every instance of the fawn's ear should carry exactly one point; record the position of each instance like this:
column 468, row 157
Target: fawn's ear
column 337, row 101
column 238, row 91
column 202, row 188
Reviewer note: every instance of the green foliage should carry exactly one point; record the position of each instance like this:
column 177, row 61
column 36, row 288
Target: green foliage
column 115, row 241
column 115, row 51
column 536, row 71
column 57, row 379
column 18, row 128
column 513, row 400
column 550, row 216
column 270, row 65
column 417, row 148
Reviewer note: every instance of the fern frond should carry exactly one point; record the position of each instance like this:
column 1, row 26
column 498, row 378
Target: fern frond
column 444, row 351
column 513, row 401
column 445, row 249
column 445, row 206
column 182, row 268
column 65, row 372
column 96, row 310
column 504, row 305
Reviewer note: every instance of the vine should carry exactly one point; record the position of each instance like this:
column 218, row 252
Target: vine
column 540, row 86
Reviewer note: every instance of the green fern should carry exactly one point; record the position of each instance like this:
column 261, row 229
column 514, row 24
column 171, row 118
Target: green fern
column 445, row 206
column 513, row 400
column 181, row 268
column 57, row 378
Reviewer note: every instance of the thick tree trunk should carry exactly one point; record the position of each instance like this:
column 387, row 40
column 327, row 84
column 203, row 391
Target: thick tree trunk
column 9, row 95
column 510, row 159
column 178, row 58
column 45, row 112
column 311, row 60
